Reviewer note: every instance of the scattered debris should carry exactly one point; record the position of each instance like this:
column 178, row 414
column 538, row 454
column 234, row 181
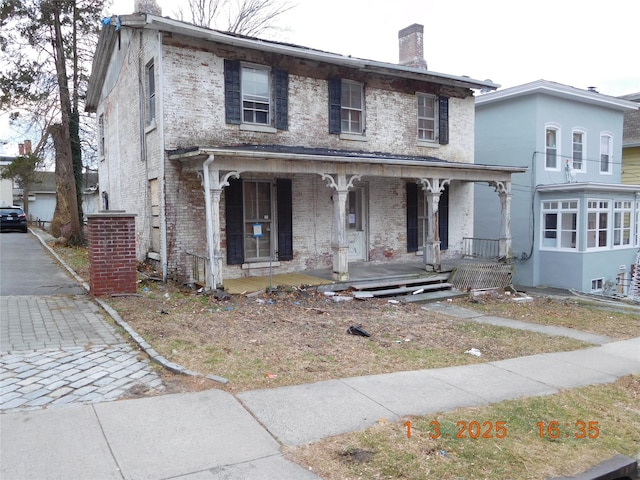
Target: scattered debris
column 164, row 312
column 362, row 295
column 358, row 330
column 358, row 455
column 394, row 302
column 329, row 293
column 416, row 292
column 341, row 298
column 474, row 351
column 523, row 299
column 221, row 295
column 272, row 375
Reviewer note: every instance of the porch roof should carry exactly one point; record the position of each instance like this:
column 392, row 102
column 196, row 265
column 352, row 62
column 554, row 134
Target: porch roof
column 298, row 159
column 590, row 187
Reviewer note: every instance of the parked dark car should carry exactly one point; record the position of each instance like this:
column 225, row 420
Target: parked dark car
column 13, row 218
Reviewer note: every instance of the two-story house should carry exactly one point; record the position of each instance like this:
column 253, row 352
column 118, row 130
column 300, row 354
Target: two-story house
column 262, row 155
column 575, row 224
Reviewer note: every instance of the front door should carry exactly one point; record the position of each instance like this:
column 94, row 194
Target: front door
column 357, row 224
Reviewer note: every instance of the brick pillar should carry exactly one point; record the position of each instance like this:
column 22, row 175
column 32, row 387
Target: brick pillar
column 112, row 252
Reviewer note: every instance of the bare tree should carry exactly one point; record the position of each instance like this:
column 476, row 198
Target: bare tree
column 245, row 17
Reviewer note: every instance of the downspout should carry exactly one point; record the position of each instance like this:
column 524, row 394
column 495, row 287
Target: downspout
column 163, row 196
column 211, row 280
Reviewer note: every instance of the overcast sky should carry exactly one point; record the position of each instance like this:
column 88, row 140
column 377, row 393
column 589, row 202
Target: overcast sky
column 581, row 43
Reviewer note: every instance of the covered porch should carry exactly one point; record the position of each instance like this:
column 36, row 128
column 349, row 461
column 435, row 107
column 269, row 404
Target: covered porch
column 342, row 171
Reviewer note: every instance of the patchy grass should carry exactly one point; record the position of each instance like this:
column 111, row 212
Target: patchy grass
column 386, row 450
column 615, row 322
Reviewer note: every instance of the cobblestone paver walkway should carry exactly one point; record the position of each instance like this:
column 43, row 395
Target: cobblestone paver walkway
column 57, row 350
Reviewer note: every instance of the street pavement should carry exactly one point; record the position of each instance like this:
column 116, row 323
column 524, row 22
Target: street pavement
column 214, row 434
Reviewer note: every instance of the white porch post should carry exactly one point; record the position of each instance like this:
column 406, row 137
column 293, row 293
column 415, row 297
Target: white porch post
column 504, row 190
column 341, row 184
column 433, row 188
column 214, row 185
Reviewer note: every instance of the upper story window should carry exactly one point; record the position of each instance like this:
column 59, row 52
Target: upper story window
column 560, row 224
column 579, row 153
column 101, row 135
column 352, row 107
column 597, row 223
column 552, row 148
column 151, row 93
column 605, row 153
column 256, row 95
column 427, row 116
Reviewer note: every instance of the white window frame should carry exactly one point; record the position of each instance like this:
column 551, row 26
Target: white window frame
column 608, row 154
column 555, row 128
column 566, row 211
column 595, row 209
column 622, row 209
column 597, row 285
column 350, row 110
column 268, row 224
column 583, row 156
column 248, row 98
column 151, row 92
column 421, row 98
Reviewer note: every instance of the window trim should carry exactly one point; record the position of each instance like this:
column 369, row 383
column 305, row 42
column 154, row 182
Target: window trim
column 101, row 137
column 558, row 153
column 251, row 66
column 150, row 93
column 362, row 129
column 584, row 144
column 271, row 221
column 560, row 211
column 601, row 281
column 609, row 170
column 598, row 210
column 434, row 119
column 622, row 229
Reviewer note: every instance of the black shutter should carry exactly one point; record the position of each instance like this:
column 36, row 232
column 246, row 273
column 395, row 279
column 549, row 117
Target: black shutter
column 282, row 99
column 412, row 217
column 235, row 222
column 443, row 120
column 285, row 219
column 443, row 219
column 335, row 105
column 232, row 110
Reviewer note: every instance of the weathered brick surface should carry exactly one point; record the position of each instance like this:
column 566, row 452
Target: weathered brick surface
column 192, row 114
column 112, row 253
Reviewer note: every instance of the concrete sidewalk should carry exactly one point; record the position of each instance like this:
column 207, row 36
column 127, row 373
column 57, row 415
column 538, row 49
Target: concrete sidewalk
column 212, row 435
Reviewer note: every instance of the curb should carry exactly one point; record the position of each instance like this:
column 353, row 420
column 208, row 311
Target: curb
column 141, row 342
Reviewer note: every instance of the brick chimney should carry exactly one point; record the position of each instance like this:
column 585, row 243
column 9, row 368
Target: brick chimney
column 147, row 6
column 412, row 46
column 27, row 147
column 21, row 149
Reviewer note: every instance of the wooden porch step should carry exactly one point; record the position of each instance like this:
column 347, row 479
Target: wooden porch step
column 434, row 296
column 408, row 290
column 401, row 281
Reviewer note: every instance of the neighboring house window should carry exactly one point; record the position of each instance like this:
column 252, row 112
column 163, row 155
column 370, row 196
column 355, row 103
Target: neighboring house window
column 579, row 150
column 101, row 149
column 151, row 94
column 427, row 115
column 552, row 149
column 622, row 215
column 597, row 284
column 154, row 187
column 597, row 223
column 352, row 107
column 560, row 224
column 250, row 226
column 256, row 95
column 605, row 153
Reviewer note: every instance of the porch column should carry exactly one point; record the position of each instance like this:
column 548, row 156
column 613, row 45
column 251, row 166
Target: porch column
column 216, row 184
column 504, row 190
column 341, row 184
column 432, row 188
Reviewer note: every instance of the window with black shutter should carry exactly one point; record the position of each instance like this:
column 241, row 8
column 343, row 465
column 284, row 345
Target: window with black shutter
column 234, row 215
column 232, row 107
column 412, row 217
column 281, row 78
column 443, row 120
column 285, row 219
column 335, row 105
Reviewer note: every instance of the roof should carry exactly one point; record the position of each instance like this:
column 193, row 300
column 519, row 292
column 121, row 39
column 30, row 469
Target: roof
column 589, row 187
column 333, row 155
column 631, row 129
column 107, row 42
column 558, row 90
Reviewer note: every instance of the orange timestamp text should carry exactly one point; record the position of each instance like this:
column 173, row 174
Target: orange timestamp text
column 579, row 429
column 472, row 429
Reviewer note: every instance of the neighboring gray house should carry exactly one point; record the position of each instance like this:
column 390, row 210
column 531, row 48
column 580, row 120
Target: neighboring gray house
column 257, row 154
column 574, row 224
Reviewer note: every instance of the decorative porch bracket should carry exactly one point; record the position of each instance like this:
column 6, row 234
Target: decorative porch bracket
column 433, row 188
column 504, row 190
column 216, row 183
column 341, row 183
